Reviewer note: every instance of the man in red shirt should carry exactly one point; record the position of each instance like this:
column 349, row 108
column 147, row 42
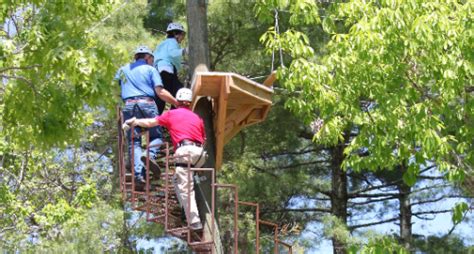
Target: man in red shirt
column 187, row 133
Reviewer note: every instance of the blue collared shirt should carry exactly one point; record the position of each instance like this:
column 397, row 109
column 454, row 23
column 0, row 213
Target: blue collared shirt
column 138, row 79
column 168, row 53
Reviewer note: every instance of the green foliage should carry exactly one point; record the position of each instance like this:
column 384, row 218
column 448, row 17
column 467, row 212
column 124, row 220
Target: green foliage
column 301, row 11
column 161, row 13
column 459, row 211
column 96, row 233
column 400, row 74
column 272, row 165
column 379, row 245
column 47, row 191
column 52, row 66
column 233, row 38
column 440, row 245
column 57, row 92
column 335, row 228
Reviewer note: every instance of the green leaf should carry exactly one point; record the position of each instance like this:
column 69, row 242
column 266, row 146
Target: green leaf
column 458, row 212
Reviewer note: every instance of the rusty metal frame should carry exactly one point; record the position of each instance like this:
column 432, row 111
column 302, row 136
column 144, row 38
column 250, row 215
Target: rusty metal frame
column 120, row 159
column 286, row 245
column 275, row 234
column 149, row 202
column 257, row 224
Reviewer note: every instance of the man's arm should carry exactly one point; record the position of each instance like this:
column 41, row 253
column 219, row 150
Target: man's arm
column 165, row 95
column 144, row 122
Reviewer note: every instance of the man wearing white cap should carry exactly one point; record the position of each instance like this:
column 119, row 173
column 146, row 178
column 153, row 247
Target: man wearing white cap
column 139, row 82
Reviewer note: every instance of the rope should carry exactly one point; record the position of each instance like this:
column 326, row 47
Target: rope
column 277, row 32
column 106, row 17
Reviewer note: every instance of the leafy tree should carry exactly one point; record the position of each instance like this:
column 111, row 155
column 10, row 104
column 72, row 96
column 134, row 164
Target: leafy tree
column 399, row 74
column 57, row 108
column 444, row 244
column 52, row 66
column 401, row 94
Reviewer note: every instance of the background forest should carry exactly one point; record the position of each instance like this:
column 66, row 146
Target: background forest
column 368, row 146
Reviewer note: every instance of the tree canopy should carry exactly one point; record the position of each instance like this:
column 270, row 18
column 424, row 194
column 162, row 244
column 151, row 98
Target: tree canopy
column 372, row 120
column 399, row 72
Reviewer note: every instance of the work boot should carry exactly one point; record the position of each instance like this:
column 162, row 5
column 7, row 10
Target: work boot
column 139, row 183
column 154, row 167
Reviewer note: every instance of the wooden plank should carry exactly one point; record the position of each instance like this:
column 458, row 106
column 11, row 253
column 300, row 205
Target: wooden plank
column 221, row 118
column 252, row 91
column 237, row 116
column 270, row 79
column 232, row 133
column 255, row 94
column 235, row 77
column 266, row 109
column 211, row 88
column 238, row 98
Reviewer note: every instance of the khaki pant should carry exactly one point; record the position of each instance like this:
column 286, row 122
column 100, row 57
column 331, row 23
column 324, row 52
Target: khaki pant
column 182, row 179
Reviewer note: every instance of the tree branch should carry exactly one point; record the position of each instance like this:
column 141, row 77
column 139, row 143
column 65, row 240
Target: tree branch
column 438, row 199
column 301, row 210
column 372, row 223
column 375, row 195
column 27, row 81
column 301, row 152
column 371, row 201
column 358, row 192
column 20, row 68
column 431, row 187
column 297, row 165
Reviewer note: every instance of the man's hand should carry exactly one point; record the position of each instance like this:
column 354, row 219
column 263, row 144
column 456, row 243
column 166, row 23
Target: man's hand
column 131, row 121
column 128, row 123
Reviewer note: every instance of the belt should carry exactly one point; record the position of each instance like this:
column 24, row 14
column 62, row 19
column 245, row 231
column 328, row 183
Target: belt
column 139, row 99
column 186, row 142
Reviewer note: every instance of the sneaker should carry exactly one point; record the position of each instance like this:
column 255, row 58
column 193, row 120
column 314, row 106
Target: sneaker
column 197, row 226
column 154, row 167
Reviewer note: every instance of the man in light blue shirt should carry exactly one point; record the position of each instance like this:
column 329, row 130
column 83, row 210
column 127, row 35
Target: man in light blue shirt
column 139, row 83
column 168, row 58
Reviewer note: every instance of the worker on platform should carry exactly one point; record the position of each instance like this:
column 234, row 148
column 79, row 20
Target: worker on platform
column 187, row 133
column 139, row 82
column 168, row 58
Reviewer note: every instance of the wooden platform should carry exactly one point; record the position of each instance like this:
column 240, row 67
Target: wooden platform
column 238, row 102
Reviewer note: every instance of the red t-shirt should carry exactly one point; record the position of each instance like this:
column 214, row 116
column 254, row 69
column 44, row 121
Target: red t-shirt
column 182, row 124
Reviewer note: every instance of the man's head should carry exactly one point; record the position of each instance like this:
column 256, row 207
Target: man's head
column 176, row 30
column 184, row 96
column 143, row 52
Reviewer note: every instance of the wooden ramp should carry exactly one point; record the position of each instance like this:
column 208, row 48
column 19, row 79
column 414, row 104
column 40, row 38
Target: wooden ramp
column 238, row 102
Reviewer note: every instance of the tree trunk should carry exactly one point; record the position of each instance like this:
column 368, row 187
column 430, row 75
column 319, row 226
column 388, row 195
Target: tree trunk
column 405, row 213
column 196, row 12
column 339, row 193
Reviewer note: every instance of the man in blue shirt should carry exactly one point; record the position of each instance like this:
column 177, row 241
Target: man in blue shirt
column 168, row 58
column 140, row 82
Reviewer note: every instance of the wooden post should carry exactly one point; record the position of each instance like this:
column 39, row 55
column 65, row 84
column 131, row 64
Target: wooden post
column 198, row 43
column 198, row 59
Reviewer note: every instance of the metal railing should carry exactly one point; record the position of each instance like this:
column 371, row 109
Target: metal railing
column 156, row 202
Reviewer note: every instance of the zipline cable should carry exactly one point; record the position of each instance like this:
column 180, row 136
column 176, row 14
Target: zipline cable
column 277, row 33
column 106, row 17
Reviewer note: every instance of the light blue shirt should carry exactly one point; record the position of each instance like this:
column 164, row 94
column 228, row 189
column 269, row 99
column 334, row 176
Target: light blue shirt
column 138, row 79
column 168, row 54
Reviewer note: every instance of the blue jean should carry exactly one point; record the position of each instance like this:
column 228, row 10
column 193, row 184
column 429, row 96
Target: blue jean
column 142, row 110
